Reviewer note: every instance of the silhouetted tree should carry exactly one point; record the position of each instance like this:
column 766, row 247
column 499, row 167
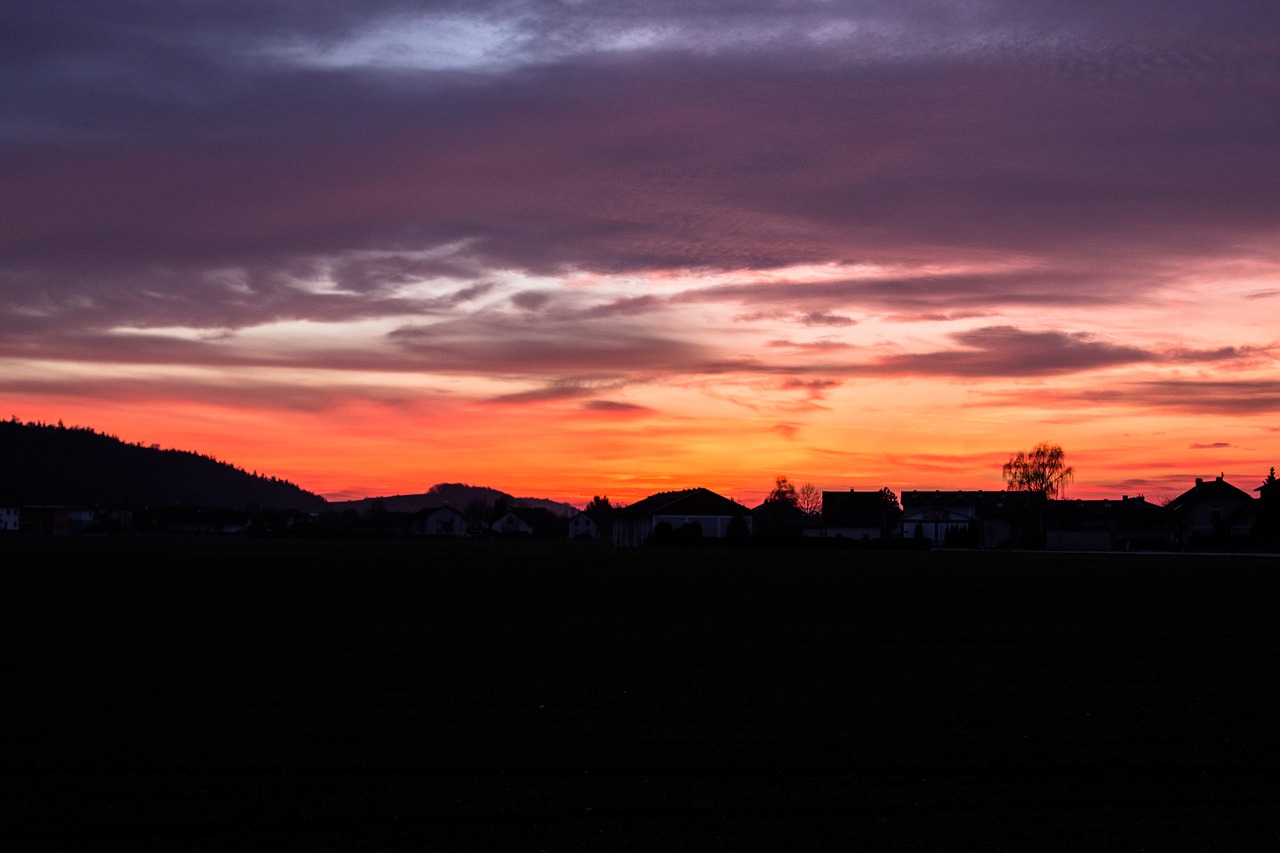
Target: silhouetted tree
column 476, row 514
column 500, row 508
column 599, row 505
column 809, row 499
column 1042, row 470
column 890, row 512
column 783, row 492
column 1266, row 525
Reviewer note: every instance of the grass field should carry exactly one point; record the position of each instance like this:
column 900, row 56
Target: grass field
column 395, row 695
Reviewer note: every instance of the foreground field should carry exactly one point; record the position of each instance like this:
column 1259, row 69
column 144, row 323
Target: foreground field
column 229, row 694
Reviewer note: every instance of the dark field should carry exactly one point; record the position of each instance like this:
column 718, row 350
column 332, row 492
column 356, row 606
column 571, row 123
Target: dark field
column 233, row 695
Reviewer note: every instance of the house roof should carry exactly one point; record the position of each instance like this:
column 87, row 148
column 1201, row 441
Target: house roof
column 432, row 510
column 1124, row 514
column 1217, row 490
column 853, row 509
column 985, row 504
column 686, row 502
column 779, row 511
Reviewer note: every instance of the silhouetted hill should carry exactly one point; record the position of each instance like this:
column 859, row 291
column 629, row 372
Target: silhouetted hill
column 53, row 464
column 457, row 495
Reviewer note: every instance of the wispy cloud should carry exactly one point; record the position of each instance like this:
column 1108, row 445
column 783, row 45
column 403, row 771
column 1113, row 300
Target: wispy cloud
column 1008, row 351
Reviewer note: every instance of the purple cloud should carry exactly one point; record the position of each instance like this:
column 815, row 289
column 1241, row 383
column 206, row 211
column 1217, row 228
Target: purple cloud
column 1008, row 351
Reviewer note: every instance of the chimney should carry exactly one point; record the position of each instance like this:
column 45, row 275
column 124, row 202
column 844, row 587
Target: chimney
column 1199, row 482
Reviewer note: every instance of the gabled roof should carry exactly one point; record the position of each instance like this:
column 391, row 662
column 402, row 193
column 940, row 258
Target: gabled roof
column 1217, row 490
column 781, row 511
column 533, row 515
column 685, row 502
column 431, row 510
column 1124, row 514
column 985, row 504
column 853, row 509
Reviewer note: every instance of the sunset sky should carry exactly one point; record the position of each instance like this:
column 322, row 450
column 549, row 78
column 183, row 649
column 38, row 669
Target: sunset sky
column 575, row 248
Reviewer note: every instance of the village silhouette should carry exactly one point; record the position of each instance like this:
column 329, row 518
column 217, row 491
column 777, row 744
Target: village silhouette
column 185, row 493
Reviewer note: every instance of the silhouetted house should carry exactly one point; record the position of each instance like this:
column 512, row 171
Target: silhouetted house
column 973, row 519
column 380, row 522
column 858, row 515
column 117, row 519
column 10, row 518
column 1212, row 513
column 277, row 523
column 201, row 520
column 686, row 514
column 511, row 524
column 586, row 525
column 535, row 522
column 1129, row 524
column 438, row 521
column 56, row 520
column 777, row 520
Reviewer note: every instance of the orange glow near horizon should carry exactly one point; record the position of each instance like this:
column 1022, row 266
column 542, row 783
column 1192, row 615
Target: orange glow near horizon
column 699, row 389
column 731, row 425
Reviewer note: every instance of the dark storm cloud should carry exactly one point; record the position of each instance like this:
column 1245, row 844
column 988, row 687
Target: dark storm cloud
column 148, row 147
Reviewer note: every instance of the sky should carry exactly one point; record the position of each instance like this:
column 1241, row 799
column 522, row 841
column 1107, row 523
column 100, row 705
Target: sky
column 582, row 248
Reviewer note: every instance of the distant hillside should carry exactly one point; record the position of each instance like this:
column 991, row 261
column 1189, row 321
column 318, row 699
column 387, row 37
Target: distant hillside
column 53, row 464
column 457, row 495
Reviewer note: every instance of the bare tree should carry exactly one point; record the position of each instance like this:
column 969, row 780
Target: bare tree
column 809, row 499
column 1043, row 470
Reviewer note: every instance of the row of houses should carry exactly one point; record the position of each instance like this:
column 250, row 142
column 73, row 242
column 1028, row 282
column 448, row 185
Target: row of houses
column 442, row 521
column 1211, row 514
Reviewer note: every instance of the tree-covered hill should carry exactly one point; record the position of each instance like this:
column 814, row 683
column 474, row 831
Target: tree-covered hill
column 52, row 464
column 460, row 496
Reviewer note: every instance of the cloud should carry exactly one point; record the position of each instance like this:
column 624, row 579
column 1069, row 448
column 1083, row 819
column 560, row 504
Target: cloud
column 743, row 158
column 816, row 389
column 1214, row 446
column 786, row 430
column 823, row 318
column 1008, row 351
column 531, row 300
column 614, row 406
column 564, row 390
column 494, row 344
column 1232, row 398
column 423, row 187
column 824, row 345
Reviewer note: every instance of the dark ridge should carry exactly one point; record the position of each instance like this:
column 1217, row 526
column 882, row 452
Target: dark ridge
column 460, row 496
column 52, row 464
